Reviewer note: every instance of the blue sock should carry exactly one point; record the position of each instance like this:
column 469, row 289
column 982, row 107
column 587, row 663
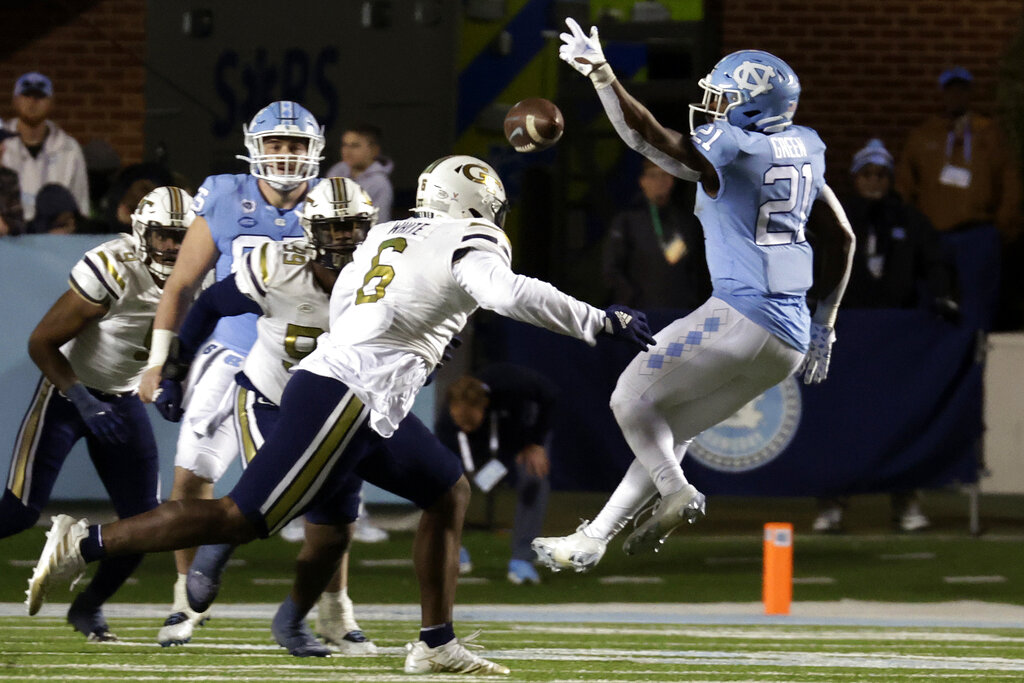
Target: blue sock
column 92, row 545
column 435, row 636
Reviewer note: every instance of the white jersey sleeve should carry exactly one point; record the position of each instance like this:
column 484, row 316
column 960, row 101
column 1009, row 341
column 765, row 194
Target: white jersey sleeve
column 489, row 280
column 110, row 354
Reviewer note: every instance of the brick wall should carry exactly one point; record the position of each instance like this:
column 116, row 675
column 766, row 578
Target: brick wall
column 92, row 51
column 870, row 68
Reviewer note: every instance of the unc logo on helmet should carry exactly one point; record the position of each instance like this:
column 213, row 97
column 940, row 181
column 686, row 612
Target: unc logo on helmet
column 751, row 89
column 283, row 167
column 755, row 435
column 753, row 77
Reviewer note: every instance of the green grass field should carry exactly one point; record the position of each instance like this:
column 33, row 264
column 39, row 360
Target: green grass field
column 689, row 613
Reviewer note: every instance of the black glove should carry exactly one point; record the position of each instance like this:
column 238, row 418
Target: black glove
column 99, row 416
column 169, row 398
column 628, row 325
column 177, row 364
column 947, row 309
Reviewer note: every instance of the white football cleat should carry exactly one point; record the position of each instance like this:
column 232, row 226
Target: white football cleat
column 179, row 627
column 576, row 551
column 452, row 657
column 336, row 625
column 685, row 505
column 61, row 559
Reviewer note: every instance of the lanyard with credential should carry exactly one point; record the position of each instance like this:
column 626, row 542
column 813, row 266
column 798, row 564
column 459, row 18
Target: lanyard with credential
column 467, row 452
column 951, row 140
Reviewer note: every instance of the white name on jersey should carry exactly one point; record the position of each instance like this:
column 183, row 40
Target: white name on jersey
column 787, row 148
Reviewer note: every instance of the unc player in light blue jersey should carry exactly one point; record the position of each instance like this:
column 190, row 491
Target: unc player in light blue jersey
column 234, row 215
column 757, row 177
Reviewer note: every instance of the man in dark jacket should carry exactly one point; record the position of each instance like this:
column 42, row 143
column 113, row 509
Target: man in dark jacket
column 499, row 421
column 654, row 252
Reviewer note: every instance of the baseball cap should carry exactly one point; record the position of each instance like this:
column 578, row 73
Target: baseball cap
column 33, row 83
column 872, row 153
column 957, row 73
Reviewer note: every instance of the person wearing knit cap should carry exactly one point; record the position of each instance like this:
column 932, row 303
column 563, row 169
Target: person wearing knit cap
column 897, row 257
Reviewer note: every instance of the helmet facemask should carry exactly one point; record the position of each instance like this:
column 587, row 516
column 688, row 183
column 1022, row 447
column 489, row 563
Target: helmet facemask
column 335, row 217
column 159, row 224
column 335, row 239
column 282, row 121
column 162, row 243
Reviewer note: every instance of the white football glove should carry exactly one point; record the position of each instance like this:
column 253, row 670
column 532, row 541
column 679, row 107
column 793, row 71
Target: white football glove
column 815, row 365
column 580, row 52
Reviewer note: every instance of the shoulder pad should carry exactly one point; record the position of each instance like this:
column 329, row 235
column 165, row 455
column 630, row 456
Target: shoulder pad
column 484, row 235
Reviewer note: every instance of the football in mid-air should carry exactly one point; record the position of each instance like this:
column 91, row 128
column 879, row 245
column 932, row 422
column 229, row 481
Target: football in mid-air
column 533, row 124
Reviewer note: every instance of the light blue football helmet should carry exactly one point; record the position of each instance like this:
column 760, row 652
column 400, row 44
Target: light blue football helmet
column 283, row 120
column 751, row 89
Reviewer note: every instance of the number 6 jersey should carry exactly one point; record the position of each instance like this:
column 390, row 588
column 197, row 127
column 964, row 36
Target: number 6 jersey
column 757, row 252
column 411, row 286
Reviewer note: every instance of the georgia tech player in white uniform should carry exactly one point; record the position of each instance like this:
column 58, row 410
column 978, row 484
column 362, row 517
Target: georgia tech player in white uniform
column 288, row 285
column 411, row 286
column 91, row 346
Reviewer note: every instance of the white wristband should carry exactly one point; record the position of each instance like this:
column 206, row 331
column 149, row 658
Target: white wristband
column 602, row 76
column 159, row 347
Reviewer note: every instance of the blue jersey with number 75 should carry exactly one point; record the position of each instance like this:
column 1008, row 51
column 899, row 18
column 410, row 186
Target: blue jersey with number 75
column 757, row 250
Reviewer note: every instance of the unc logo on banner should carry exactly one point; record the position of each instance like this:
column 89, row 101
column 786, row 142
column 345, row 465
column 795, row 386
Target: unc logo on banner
column 754, row 77
column 756, row 434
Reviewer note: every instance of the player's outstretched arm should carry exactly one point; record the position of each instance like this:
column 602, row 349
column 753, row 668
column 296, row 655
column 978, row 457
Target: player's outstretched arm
column 834, row 247
column 634, row 123
column 489, row 280
column 197, row 255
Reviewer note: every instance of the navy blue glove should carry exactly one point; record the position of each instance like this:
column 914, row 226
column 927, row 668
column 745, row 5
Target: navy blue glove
column 628, row 325
column 168, row 400
column 99, row 416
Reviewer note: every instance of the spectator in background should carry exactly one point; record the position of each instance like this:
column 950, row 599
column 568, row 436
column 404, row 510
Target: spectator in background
column 654, row 252
column 956, row 170
column 115, row 207
column 12, row 219
column 56, row 212
column 42, row 153
column 898, row 263
column 362, row 161
column 129, row 200
column 499, row 420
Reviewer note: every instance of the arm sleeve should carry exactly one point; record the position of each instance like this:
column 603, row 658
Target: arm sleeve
column 612, row 108
column 486, row 278
column 828, row 306
column 217, row 301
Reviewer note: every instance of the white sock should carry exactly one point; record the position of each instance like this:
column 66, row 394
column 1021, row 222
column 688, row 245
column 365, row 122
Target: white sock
column 339, row 606
column 180, row 603
column 629, row 497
